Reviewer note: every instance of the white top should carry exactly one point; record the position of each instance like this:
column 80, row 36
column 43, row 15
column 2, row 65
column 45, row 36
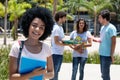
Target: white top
column 81, row 38
column 57, row 31
column 42, row 55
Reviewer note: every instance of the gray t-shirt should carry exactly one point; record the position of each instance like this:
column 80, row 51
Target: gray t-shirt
column 82, row 38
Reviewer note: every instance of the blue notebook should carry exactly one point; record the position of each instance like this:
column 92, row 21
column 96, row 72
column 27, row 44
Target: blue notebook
column 27, row 65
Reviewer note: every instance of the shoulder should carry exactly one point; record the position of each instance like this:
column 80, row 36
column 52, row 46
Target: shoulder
column 112, row 30
column 16, row 44
column 102, row 27
column 45, row 44
column 55, row 26
column 73, row 32
column 46, row 49
column 112, row 26
column 15, row 49
column 88, row 32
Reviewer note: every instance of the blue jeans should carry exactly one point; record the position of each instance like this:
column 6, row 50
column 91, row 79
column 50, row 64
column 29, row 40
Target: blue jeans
column 76, row 61
column 105, row 63
column 57, row 61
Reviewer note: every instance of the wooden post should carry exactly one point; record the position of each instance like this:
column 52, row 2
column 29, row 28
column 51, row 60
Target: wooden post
column 5, row 22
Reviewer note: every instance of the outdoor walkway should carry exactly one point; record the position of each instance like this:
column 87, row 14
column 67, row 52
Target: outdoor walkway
column 92, row 72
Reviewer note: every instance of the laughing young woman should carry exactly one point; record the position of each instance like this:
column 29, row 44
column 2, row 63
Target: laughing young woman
column 37, row 24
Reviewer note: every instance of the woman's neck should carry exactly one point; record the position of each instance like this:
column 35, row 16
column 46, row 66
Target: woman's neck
column 32, row 42
column 80, row 31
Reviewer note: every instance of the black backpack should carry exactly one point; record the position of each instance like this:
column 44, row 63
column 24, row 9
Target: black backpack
column 21, row 43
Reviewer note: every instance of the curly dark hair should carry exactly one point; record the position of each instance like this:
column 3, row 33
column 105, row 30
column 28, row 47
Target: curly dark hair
column 37, row 12
column 85, row 25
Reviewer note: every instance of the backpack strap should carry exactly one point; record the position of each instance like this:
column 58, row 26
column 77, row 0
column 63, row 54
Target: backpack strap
column 21, row 43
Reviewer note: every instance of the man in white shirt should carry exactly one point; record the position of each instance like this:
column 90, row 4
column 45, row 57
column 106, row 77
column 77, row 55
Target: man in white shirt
column 57, row 45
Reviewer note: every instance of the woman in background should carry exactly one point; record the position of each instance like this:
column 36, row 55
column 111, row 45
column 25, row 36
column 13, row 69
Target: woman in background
column 80, row 53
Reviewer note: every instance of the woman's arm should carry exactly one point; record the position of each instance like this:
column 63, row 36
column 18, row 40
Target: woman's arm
column 79, row 47
column 50, row 69
column 88, row 44
column 13, row 69
column 96, row 39
column 13, row 75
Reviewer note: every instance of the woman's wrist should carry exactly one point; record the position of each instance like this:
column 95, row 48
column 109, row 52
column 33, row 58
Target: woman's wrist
column 49, row 75
column 83, row 45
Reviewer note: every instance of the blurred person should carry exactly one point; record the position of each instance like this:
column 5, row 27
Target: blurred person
column 107, row 42
column 57, row 42
column 80, row 52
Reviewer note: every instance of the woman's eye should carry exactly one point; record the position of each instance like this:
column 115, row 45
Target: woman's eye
column 35, row 26
column 41, row 28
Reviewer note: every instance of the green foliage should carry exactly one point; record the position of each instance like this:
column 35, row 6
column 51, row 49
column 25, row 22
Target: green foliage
column 94, row 7
column 93, row 58
column 69, row 17
column 2, row 8
column 116, row 5
column 4, row 50
column 67, row 57
column 16, row 9
column 117, row 59
column 74, row 5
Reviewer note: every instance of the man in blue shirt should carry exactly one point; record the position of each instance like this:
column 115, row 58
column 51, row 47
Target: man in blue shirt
column 107, row 43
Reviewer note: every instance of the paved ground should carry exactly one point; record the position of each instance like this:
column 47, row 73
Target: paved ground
column 92, row 72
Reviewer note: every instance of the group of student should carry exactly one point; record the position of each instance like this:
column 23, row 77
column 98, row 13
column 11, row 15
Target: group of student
column 37, row 24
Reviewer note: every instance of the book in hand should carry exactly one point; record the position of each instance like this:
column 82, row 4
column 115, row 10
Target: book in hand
column 28, row 65
column 71, row 42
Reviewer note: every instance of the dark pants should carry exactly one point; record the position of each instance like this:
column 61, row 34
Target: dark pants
column 105, row 63
column 57, row 61
column 76, row 62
